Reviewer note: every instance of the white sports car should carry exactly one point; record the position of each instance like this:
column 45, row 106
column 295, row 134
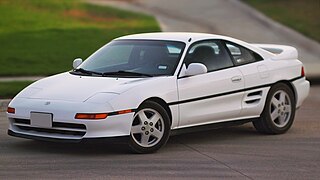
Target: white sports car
column 147, row 86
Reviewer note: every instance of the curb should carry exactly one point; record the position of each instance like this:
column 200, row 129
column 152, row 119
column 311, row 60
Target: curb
column 4, row 104
column 18, row 78
column 308, row 48
column 312, row 45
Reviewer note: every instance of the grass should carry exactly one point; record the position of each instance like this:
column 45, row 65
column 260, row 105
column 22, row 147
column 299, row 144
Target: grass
column 44, row 37
column 10, row 89
column 303, row 16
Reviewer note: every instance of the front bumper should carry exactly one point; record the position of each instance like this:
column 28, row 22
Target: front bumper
column 64, row 125
column 121, row 139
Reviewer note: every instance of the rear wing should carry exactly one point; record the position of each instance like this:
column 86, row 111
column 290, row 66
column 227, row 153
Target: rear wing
column 280, row 51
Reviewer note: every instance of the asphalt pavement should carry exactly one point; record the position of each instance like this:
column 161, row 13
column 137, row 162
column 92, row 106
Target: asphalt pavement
column 226, row 17
column 229, row 153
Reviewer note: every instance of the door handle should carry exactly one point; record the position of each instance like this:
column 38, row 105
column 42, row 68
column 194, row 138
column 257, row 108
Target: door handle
column 236, row 79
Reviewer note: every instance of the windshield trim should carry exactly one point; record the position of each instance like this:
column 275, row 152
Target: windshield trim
column 182, row 46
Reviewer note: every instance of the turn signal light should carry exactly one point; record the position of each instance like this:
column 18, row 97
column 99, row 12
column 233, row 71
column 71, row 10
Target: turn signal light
column 101, row 115
column 11, row 110
column 125, row 111
column 91, row 116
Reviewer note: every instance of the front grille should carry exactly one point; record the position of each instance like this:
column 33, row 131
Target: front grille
column 57, row 127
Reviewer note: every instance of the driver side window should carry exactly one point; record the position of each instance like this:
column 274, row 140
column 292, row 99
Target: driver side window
column 210, row 53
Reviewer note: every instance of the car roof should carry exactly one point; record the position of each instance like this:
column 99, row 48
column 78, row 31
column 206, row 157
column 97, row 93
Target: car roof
column 174, row 36
column 191, row 37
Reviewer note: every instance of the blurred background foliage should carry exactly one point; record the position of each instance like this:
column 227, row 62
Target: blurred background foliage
column 42, row 37
column 301, row 15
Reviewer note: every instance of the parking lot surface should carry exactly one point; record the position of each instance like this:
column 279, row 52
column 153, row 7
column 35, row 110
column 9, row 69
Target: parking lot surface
column 229, row 153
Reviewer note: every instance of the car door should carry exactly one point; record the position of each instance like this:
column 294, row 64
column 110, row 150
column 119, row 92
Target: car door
column 214, row 96
column 256, row 77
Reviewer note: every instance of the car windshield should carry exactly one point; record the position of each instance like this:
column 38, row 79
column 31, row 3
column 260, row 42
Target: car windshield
column 132, row 58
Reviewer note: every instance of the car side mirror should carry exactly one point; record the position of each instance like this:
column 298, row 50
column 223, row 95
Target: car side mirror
column 77, row 62
column 195, row 69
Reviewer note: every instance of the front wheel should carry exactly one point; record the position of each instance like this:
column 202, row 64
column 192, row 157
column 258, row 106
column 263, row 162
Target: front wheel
column 278, row 114
column 150, row 128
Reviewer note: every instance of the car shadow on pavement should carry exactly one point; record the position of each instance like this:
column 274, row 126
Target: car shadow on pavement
column 72, row 148
column 101, row 148
column 217, row 135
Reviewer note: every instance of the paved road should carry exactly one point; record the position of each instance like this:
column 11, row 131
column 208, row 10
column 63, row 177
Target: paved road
column 227, row 17
column 229, row 153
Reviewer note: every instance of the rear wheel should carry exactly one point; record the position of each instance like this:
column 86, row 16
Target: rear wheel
column 279, row 111
column 150, row 128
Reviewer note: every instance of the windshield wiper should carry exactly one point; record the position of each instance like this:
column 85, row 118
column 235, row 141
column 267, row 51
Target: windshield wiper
column 125, row 73
column 86, row 71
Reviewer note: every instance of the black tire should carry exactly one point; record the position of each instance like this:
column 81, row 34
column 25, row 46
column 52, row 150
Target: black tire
column 279, row 111
column 147, row 128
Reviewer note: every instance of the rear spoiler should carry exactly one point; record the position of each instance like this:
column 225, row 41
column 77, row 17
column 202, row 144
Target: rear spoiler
column 280, row 51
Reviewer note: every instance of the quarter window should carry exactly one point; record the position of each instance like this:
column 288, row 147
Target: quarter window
column 242, row 55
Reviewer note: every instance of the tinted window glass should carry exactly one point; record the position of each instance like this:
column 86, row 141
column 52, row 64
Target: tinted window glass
column 113, row 55
column 210, row 53
column 139, row 56
column 242, row 55
column 174, row 49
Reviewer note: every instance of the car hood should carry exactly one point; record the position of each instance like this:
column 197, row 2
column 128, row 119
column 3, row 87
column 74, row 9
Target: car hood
column 68, row 87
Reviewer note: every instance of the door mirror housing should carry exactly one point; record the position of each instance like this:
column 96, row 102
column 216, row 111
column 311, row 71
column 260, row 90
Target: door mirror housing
column 195, row 69
column 77, row 62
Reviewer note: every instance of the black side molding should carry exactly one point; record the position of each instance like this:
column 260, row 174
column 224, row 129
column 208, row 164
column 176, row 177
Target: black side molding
column 226, row 93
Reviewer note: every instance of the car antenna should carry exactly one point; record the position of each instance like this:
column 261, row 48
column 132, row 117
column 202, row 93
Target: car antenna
column 189, row 40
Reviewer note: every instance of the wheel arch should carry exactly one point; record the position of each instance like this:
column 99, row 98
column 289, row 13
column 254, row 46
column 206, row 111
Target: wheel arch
column 290, row 85
column 264, row 124
column 162, row 103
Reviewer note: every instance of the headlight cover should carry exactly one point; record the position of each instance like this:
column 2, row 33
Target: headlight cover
column 101, row 98
column 29, row 92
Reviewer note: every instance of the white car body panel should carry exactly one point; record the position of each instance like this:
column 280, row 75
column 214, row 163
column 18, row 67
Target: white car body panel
column 227, row 92
column 281, row 51
column 211, row 109
column 301, row 90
